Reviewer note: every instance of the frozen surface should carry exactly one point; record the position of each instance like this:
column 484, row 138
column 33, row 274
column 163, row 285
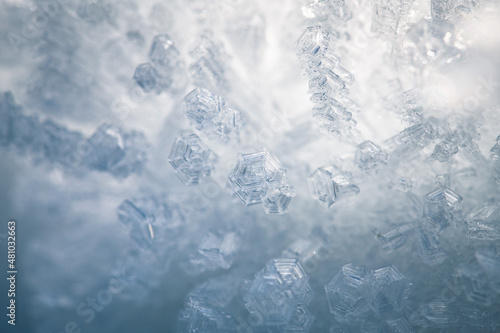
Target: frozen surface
column 251, row 166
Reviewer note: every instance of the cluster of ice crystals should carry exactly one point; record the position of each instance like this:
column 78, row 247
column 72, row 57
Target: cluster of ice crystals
column 191, row 159
column 328, row 81
column 108, row 149
column 164, row 69
column 198, row 256
column 207, row 112
column 329, row 184
column 354, row 290
column 279, row 295
column 259, row 178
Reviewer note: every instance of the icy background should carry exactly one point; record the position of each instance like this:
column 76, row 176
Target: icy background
column 252, row 166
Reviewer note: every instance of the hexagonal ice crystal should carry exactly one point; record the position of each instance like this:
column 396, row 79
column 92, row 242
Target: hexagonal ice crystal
column 191, row 159
column 388, row 289
column 149, row 80
column 441, row 207
column 201, row 107
column 260, row 178
column 346, row 292
column 312, row 43
column 369, row 156
column 163, row 55
column 277, row 291
column 328, row 184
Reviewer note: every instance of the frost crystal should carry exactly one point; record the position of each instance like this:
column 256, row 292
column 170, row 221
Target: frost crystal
column 207, row 112
column 260, row 178
column 109, row 149
column 208, row 70
column 441, row 207
column 150, row 221
column 191, row 159
column 329, row 184
column 445, row 150
column 396, row 237
column 346, row 292
column 369, row 156
column 277, row 291
column 310, row 251
column 149, row 80
column 163, row 71
column 420, row 134
column 430, row 250
column 202, row 106
column 312, row 43
column 163, row 55
column 484, row 222
column 388, row 289
column 495, row 150
column 201, row 317
column 328, row 81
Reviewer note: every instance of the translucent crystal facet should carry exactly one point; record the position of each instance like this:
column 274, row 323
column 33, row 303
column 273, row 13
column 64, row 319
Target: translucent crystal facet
column 191, row 159
column 396, row 237
column 206, row 112
column 346, row 292
column 441, row 207
column 484, row 222
column 164, row 69
column 148, row 78
column 201, row 317
column 388, row 289
column 445, row 150
column 369, row 156
column 163, row 55
column 495, row 150
column 202, row 106
column 217, row 249
column 109, row 147
column 260, row 178
column 328, row 184
column 312, row 43
column 430, row 250
column 277, row 291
